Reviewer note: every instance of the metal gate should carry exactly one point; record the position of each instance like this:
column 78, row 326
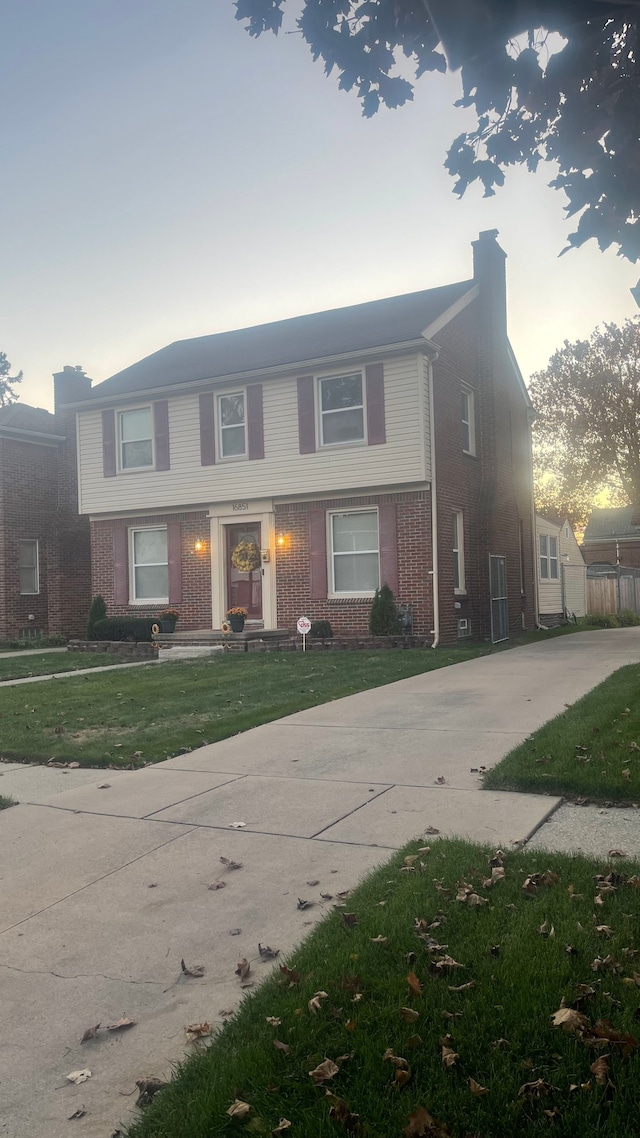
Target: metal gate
column 499, row 599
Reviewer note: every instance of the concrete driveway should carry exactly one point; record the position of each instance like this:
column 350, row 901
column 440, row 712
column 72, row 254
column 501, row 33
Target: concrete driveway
column 104, row 888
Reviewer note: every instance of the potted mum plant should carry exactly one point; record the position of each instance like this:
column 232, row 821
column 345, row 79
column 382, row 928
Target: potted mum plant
column 167, row 620
column 236, row 617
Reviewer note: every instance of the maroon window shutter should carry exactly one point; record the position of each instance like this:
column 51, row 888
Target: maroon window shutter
column 120, row 575
column 207, row 430
column 376, row 432
column 388, row 535
column 174, row 557
column 109, row 444
column 255, row 421
column 161, row 433
column 318, row 554
column 306, row 415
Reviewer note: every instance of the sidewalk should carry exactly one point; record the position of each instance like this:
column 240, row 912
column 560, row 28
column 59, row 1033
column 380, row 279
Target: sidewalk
column 103, row 888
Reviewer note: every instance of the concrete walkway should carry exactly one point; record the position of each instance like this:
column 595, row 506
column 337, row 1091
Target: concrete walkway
column 18, row 653
column 104, row 876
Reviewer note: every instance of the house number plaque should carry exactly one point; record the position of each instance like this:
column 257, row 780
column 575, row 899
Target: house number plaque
column 238, row 507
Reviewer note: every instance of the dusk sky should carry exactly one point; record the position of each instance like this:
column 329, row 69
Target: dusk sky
column 166, row 176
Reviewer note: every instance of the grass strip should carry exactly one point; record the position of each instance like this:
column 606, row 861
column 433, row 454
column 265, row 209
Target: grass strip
column 427, row 956
column 591, row 750
column 5, row 802
column 48, row 663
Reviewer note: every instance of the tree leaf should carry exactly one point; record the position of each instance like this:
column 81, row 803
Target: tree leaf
column 476, row 1089
column 238, row 1109
column 325, row 1070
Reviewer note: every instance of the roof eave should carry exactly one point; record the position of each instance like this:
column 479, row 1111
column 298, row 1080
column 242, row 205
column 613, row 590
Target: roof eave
column 42, row 437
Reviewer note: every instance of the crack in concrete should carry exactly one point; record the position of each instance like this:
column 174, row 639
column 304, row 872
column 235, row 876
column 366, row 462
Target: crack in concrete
column 77, row 976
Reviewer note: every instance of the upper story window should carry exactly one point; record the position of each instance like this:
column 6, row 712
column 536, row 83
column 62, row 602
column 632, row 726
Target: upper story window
column 548, row 557
column 354, row 553
column 341, row 409
column 136, row 438
column 149, row 565
column 458, row 552
column 28, row 567
column 566, row 532
column 468, row 421
column 231, row 416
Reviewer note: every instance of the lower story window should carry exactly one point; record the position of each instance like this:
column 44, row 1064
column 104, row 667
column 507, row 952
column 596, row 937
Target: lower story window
column 355, row 553
column 28, row 567
column 149, row 565
column 458, row 552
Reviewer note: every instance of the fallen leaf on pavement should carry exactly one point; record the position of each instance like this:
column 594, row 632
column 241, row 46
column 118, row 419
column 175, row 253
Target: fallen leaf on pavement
column 236, row 825
column 440, row 780
column 90, row 1033
column 618, row 853
column 476, row 1089
column 79, row 1076
column 191, row 969
column 104, row 785
column 238, row 1109
column 325, row 1070
column 302, row 904
column 120, row 1024
column 431, row 830
column 243, row 968
column 79, row 1113
column 197, row 1031
column 148, row 1088
column 313, row 883
column 217, row 885
column 268, row 953
column 231, row 864
column 235, row 932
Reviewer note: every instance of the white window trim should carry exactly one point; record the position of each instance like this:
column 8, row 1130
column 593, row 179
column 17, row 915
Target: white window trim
column 462, row 587
column 122, row 469
column 547, row 557
column 30, row 541
column 471, row 403
column 319, row 380
column 133, row 600
column 245, row 454
column 361, row 593
column 554, row 576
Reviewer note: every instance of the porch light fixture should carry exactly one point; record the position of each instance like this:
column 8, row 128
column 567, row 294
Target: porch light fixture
column 283, row 540
column 198, row 545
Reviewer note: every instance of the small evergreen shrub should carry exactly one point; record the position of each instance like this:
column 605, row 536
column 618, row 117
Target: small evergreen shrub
column 603, row 620
column 98, row 611
column 321, row 630
column 132, row 628
column 628, row 618
column 384, row 619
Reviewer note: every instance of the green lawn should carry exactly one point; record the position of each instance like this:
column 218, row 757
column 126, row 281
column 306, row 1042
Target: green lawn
column 386, row 1009
column 150, row 713
column 19, row 667
column 5, row 802
column 591, row 750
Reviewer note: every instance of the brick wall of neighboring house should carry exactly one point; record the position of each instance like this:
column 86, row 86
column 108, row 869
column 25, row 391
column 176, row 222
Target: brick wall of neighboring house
column 195, row 606
column 626, row 552
column 351, row 616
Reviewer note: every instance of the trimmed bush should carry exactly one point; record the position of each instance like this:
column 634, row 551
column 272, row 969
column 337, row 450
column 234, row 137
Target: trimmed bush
column 132, row 628
column 321, row 630
column 98, row 611
column 384, row 619
column 603, row 620
column 628, row 618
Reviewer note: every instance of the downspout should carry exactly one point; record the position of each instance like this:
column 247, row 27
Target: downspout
column 434, row 512
column 534, row 546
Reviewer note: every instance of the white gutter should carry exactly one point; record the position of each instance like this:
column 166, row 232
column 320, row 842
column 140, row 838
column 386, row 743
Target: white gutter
column 536, row 595
column 42, row 437
column 434, row 514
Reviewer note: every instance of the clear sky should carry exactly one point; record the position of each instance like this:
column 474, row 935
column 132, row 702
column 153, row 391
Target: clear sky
column 166, row 176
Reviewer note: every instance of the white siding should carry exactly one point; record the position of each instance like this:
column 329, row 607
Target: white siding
column 403, row 459
column 549, row 591
column 575, row 572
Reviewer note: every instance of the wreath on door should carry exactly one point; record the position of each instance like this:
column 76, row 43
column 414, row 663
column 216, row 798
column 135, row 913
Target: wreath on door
column 246, row 557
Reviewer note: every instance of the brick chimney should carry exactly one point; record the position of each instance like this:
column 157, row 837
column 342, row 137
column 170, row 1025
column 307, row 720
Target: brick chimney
column 489, row 272
column 69, row 386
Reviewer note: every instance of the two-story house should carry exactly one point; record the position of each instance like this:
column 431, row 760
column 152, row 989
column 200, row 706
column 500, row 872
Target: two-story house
column 45, row 570
column 613, row 535
column 382, row 442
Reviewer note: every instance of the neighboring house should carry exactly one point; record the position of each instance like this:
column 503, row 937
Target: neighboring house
column 613, row 536
column 383, row 442
column 45, row 571
column 561, row 571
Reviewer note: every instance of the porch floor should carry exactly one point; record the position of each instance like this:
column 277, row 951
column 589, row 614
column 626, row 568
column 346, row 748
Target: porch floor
column 202, row 636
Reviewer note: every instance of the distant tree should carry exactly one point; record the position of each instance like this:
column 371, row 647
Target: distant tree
column 587, row 435
column 7, row 382
column 547, row 79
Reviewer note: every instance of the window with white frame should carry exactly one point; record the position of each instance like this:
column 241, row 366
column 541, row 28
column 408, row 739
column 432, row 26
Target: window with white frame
column 548, row 557
column 231, row 416
column 135, row 430
column 28, row 567
column 354, row 552
column 458, row 552
column 468, row 421
column 341, row 409
column 149, row 565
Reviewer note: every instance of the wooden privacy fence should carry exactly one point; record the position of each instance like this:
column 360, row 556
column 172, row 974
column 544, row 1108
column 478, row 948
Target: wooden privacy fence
column 613, row 589
column 602, row 595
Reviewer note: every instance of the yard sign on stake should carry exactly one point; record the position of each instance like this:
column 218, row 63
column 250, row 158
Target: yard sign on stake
column 304, row 627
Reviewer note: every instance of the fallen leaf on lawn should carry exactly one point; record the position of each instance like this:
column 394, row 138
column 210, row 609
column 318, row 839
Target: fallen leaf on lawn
column 476, row 1089
column 243, row 968
column 292, row 976
column 546, row 930
column 325, row 1070
column 273, row 1020
column 408, row 1014
column 461, row 987
column 570, row 950
column 350, row 920
column 552, row 1114
column 537, row 1089
column 280, row 1046
column 238, row 1109
column 414, row 983
column 79, row 1113
column 449, row 1056
column 148, row 1088
column 604, row 1034
column 350, row 1025
column 422, row 1125
column 474, row 900
column 197, row 1030
column 604, row 930
column 191, row 969
column 500, row 1044
column 74, row 766
column 411, row 957
column 283, row 1125
column 634, row 979
column 626, row 774
column 618, row 853
column 452, row 1015
column 315, row 1003
column 402, row 1076
column 90, row 1033
column 217, row 885
column 79, row 1076
column 601, row 1070
column 569, row 1020
column 445, row 961
column 120, row 1024
column 340, row 1112
column 431, row 830
column 396, row 1060
column 313, row 883
column 268, row 953
column 302, row 904
column 497, row 874
column 413, row 1042
column 231, row 864
column 379, row 939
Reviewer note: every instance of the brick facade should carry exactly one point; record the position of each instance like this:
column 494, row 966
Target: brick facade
column 38, row 501
column 626, row 552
